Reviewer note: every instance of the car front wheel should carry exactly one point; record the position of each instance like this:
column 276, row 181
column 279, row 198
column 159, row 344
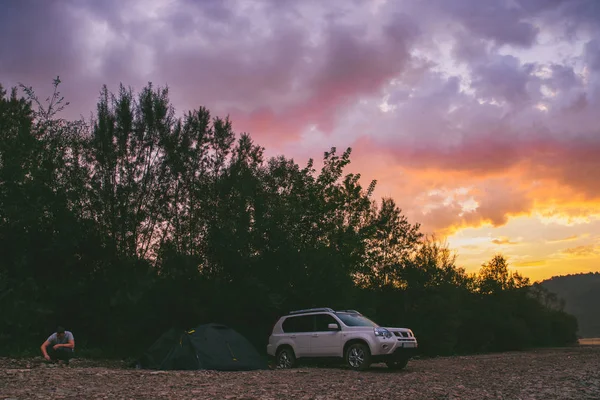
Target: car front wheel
column 358, row 356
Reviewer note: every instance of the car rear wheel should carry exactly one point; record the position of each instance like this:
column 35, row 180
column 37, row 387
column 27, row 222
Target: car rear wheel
column 285, row 358
column 358, row 356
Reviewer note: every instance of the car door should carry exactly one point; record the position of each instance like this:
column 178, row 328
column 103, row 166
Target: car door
column 299, row 330
column 325, row 342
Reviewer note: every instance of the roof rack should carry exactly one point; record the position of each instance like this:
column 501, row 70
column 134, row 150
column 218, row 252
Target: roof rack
column 350, row 311
column 308, row 310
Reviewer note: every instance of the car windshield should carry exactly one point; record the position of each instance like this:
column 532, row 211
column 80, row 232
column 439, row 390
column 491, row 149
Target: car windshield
column 351, row 319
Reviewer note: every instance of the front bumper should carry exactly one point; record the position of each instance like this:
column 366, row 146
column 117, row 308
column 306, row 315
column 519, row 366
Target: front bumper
column 399, row 353
column 394, row 347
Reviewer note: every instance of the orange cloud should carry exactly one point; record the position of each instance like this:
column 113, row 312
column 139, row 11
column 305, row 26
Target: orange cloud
column 583, row 251
column 566, row 239
column 503, row 240
column 439, row 191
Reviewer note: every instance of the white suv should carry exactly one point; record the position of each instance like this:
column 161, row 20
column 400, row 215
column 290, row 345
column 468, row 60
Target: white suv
column 325, row 333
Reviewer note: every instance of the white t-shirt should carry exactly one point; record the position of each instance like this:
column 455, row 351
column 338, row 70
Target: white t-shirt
column 54, row 339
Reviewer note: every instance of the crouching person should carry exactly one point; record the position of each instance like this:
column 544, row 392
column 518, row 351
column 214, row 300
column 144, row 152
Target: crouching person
column 59, row 346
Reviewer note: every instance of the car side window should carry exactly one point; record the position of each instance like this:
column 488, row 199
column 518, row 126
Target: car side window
column 298, row 324
column 323, row 320
column 305, row 323
column 289, row 325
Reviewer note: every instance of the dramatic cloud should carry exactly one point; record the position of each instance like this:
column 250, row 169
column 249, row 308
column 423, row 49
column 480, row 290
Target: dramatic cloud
column 468, row 113
column 275, row 66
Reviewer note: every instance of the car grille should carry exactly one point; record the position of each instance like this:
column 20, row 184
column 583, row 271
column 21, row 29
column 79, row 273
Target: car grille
column 404, row 337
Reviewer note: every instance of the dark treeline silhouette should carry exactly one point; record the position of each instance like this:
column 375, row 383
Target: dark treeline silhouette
column 123, row 226
column 580, row 295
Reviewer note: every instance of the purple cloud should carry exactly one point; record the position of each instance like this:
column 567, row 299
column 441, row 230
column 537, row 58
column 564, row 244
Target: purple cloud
column 451, row 71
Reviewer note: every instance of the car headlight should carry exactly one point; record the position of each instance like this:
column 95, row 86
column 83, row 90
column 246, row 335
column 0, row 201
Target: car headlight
column 383, row 332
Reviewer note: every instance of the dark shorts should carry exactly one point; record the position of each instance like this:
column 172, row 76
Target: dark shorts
column 59, row 354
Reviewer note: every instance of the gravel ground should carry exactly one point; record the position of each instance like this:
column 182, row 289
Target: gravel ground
column 564, row 373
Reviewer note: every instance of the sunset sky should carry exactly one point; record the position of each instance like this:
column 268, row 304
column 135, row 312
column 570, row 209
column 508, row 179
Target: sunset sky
column 481, row 118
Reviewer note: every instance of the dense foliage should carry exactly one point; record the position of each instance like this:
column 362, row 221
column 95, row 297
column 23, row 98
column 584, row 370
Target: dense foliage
column 135, row 221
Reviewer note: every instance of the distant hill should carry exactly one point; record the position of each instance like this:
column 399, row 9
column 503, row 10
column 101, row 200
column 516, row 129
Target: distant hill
column 581, row 293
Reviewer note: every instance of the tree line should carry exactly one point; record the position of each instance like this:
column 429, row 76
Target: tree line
column 137, row 220
column 581, row 296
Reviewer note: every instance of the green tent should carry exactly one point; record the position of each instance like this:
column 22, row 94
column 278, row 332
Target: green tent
column 209, row 346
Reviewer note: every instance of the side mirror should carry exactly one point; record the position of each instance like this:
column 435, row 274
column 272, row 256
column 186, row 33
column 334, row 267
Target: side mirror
column 333, row 327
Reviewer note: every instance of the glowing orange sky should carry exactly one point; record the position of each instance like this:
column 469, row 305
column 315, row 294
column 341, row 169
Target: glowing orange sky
column 544, row 230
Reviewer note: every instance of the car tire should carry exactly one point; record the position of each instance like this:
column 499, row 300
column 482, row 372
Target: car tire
column 397, row 364
column 358, row 356
column 285, row 358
